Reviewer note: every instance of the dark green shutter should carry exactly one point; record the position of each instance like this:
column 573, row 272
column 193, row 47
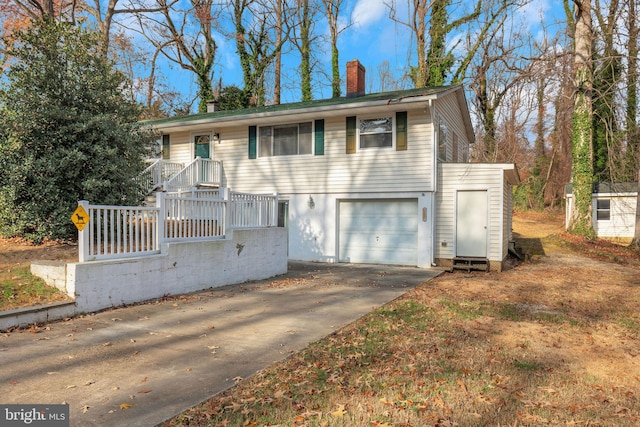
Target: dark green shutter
column 166, row 147
column 253, row 140
column 319, row 137
column 401, row 131
column 351, row 135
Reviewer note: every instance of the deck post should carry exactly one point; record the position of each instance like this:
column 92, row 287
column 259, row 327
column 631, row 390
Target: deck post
column 274, row 218
column 226, row 227
column 161, row 219
column 83, row 235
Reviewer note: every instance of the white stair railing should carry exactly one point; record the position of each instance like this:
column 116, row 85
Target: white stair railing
column 198, row 172
column 158, row 172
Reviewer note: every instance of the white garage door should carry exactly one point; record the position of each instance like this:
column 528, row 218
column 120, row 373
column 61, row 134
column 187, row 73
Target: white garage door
column 379, row 231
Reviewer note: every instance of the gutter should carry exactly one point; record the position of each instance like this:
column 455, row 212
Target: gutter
column 238, row 119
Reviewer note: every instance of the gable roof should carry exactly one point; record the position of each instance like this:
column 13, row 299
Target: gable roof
column 326, row 107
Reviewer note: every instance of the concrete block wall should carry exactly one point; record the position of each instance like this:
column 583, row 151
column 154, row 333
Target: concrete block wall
column 181, row 268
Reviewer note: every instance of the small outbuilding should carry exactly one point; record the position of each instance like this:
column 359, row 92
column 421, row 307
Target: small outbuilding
column 613, row 209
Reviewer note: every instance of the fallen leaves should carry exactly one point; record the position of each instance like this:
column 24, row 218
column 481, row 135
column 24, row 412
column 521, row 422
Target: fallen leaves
column 126, row 405
column 340, row 411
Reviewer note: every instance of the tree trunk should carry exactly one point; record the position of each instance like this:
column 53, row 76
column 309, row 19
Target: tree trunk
column 277, row 84
column 305, row 49
column 582, row 136
column 636, row 234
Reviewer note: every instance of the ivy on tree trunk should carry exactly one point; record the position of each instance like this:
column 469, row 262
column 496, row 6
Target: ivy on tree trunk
column 582, row 135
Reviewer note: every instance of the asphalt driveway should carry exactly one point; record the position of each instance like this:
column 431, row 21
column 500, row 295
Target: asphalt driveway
column 143, row 364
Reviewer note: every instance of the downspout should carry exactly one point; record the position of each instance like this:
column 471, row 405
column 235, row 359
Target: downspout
column 434, row 180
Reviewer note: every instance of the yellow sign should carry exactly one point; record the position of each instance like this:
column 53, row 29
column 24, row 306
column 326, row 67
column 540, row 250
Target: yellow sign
column 80, row 218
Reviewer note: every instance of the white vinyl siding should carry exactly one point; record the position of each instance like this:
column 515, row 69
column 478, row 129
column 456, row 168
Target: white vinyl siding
column 449, row 113
column 622, row 215
column 368, row 170
column 453, row 177
column 181, row 147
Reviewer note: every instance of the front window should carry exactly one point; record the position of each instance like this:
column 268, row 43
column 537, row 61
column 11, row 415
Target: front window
column 603, row 209
column 375, row 133
column 286, row 140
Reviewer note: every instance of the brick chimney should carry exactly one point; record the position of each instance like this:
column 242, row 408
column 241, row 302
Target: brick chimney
column 355, row 79
column 213, row 106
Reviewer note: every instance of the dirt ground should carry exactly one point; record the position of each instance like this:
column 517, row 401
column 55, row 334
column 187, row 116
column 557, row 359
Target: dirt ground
column 16, row 251
column 595, row 285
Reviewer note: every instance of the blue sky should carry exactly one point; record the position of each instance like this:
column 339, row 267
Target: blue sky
column 372, row 38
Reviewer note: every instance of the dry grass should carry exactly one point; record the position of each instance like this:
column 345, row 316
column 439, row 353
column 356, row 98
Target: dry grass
column 553, row 341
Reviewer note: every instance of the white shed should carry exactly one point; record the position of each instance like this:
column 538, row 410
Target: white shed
column 613, row 209
column 474, row 211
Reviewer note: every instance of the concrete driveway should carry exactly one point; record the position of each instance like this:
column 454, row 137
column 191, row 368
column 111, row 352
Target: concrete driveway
column 166, row 356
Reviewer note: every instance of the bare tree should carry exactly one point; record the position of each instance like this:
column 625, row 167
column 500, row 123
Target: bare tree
column 186, row 37
column 279, row 10
column 303, row 38
column 633, row 153
column 336, row 27
column 104, row 15
column 40, row 9
column 498, row 69
column 259, row 39
column 430, row 24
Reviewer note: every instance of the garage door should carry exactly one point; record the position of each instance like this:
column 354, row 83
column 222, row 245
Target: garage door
column 379, row 231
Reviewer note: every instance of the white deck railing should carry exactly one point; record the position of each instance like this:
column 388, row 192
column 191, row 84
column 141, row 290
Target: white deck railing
column 118, row 232
column 113, row 232
column 253, row 210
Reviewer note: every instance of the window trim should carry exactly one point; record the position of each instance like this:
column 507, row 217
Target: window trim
column 600, row 210
column 290, row 124
column 390, row 116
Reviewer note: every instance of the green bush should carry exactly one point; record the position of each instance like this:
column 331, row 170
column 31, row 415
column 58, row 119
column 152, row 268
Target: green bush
column 67, row 132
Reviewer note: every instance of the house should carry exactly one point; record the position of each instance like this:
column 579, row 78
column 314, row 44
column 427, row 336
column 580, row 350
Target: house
column 613, row 207
column 378, row 178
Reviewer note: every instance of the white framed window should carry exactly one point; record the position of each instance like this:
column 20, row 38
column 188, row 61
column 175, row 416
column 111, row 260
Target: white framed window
column 375, row 132
column 603, row 209
column 286, row 140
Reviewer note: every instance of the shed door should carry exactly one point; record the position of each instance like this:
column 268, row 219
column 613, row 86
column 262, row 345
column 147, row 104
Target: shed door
column 471, row 224
column 379, row 231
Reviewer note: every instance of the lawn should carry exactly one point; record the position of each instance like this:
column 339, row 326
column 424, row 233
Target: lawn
column 552, row 341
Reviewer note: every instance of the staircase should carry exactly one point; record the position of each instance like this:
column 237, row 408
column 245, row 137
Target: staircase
column 470, row 263
column 165, row 175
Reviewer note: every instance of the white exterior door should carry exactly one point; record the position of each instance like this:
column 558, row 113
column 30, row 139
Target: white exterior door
column 471, row 223
column 378, row 231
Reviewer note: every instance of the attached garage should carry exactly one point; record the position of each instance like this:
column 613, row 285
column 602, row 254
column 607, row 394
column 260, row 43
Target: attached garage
column 378, row 231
